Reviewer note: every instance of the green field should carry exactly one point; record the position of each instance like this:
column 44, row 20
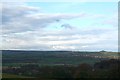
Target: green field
column 55, row 64
column 4, row 75
column 51, row 58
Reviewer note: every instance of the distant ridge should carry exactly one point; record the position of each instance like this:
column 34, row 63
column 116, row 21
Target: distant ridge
column 49, row 51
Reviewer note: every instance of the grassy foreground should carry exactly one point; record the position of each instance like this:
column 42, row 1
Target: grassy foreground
column 4, row 75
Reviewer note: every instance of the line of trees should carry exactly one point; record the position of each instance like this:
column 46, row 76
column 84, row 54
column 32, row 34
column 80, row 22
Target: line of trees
column 105, row 69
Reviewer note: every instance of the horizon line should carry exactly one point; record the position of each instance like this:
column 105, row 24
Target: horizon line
column 61, row 50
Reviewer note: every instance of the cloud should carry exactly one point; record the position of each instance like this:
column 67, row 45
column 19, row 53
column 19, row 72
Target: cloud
column 67, row 26
column 11, row 11
column 113, row 21
column 56, row 41
column 20, row 18
column 24, row 27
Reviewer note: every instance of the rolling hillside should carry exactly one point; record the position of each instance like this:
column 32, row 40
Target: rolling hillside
column 17, row 58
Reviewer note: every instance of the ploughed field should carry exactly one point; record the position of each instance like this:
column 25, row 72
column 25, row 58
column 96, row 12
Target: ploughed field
column 50, row 58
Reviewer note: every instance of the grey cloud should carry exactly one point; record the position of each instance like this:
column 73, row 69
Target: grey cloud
column 67, row 26
column 40, row 42
column 23, row 30
column 10, row 12
column 22, row 18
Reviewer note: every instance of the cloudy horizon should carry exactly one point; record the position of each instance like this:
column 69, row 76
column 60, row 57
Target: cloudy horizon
column 79, row 26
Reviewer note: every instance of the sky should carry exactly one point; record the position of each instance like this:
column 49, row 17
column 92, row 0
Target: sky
column 71, row 26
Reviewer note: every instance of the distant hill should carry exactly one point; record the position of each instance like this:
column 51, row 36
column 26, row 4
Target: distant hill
column 17, row 58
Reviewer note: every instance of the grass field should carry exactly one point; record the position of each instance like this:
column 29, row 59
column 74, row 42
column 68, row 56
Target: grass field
column 19, row 58
column 19, row 65
column 4, row 75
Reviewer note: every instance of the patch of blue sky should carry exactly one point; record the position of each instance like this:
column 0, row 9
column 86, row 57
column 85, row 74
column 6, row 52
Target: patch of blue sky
column 106, row 9
column 80, row 23
column 68, row 7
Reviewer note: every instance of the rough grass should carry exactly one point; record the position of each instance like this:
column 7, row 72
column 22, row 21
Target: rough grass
column 4, row 75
